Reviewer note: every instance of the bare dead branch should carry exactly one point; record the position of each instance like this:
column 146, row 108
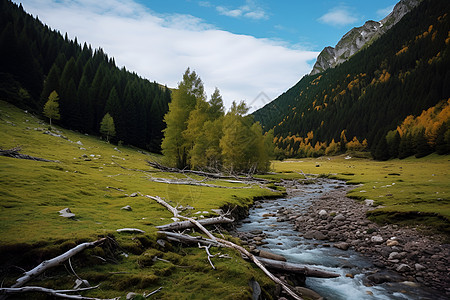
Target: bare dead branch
column 54, row 262
column 55, row 293
column 188, row 224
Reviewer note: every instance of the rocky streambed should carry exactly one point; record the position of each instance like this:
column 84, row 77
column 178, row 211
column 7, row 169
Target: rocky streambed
column 318, row 225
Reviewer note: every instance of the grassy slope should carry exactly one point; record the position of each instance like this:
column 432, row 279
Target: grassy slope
column 409, row 190
column 32, row 193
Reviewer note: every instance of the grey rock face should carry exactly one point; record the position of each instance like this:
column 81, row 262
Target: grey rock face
column 358, row 37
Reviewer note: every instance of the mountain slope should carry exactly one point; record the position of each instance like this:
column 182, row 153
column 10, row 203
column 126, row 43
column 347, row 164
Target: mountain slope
column 358, row 37
column 35, row 60
column 405, row 71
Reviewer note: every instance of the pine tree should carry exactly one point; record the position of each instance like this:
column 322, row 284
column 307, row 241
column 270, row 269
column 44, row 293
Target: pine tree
column 443, row 139
column 51, row 107
column 343, row 142
column 51, row 83
column 422, row 148
column 107, row 126
column 216, row 108
column 381, row 151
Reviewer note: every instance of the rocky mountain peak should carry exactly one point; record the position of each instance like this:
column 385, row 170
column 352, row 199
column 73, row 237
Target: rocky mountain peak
column 359, row 37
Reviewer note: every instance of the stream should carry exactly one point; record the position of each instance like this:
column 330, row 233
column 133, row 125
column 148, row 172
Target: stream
column 281, row 238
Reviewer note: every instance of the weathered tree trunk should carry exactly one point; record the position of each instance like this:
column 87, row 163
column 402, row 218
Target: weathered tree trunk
column 54, row 262
column 296, row 268
column 188, row 224
column 187, row 239
column 55, row 293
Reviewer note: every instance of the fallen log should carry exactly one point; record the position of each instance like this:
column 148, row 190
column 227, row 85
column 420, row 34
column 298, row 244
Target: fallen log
column 296, row 268
column 55, row 293
column 46, row 264
column 14, row 153
column 188, row 224
column 187, row 239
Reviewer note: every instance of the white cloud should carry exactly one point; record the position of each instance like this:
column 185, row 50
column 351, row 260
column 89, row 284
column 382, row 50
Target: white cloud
column 229, row 12
column 205, row 3
column 339, row 16
column 161, row 47
column 250, row 10
column 381, row 13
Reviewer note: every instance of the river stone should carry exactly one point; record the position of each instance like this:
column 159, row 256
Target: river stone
column 342, row 245
column 268, row 215
column 385, row 276
column 403, row 268
column 256, row 288
column 419, row 267
column 377, row 239
column 394, row 255
column 308, row 293
column 339, row 217
column 392, row 243
column 322, row 212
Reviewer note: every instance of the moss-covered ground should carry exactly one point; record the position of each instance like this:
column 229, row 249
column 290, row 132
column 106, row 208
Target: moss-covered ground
column 93, row 179
column 410, row 191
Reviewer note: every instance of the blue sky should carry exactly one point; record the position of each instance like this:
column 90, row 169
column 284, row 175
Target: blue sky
column 307, row 24
column 252, row 50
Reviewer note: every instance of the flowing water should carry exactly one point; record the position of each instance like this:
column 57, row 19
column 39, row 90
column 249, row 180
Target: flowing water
column 282, row 239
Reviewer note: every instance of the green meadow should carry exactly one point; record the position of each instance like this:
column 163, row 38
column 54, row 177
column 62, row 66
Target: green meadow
column 409, row 191
column 94, row 180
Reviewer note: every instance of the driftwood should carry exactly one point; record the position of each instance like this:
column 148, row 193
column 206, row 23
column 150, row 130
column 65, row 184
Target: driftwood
column 296, row 268
column 55, row 293
column 188, row 239
column 14, row 153
column 188, row 224
column 229, row 245
column 208, row 254
column 247, row 177
column 175, row 213
column 54, row 262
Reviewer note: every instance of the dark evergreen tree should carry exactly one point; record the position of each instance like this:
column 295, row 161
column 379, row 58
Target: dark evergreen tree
column 406, row 147
column 51, row 83
column 422, row 148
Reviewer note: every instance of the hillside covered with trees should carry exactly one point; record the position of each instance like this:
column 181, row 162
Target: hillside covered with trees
column 35, row 61
column 359, row 104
